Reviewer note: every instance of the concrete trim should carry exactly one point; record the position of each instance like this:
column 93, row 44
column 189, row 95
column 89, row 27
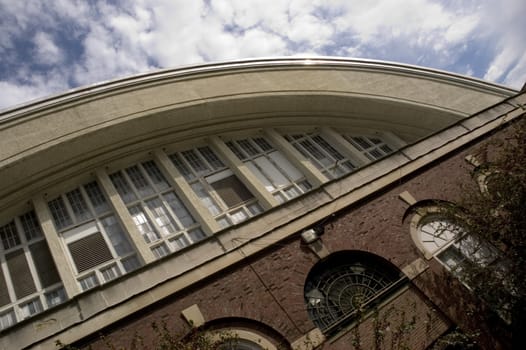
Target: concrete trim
column 193, row 316
column 343, row 196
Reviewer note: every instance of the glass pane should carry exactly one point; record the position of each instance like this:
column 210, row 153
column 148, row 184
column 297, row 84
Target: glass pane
column 143, row 224
column 179, row 209
column 9, row 235
column 206, row 199
column 195, row 162
column 60, row 215
column 130, row 263
column 211, row 158
column 55, row 297
column 31, row 226
column 139, row 181
column 97, row 198
column 116, row 235
column 122, row 187
column 181, row 167
column 78, row 205
column 161, row 217
column 155, row 175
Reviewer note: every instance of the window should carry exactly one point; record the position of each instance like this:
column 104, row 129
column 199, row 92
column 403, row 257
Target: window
column 91, row 232
column 344, row 283
column 270, row 167
column 221, row 192
column 331, row 162
column 29, row 273
column 449, row 243
column 373, row 147
column 158, row 213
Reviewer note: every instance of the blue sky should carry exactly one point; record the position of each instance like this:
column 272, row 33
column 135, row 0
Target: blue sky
column 50, row 46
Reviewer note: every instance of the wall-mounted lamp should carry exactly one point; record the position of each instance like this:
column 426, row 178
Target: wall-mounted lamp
column 309, row 236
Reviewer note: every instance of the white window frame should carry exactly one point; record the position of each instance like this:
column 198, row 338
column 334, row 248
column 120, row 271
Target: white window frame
column 337, row 163
column 201, row 178
column 263, row 159
column 82, row 227
column 16, row 308
column 159, row 191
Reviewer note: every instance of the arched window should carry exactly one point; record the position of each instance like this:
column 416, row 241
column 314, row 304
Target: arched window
column 345, row 284
column 446, row 239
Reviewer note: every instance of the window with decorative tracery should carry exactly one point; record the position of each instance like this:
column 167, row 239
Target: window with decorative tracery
column 339, row 288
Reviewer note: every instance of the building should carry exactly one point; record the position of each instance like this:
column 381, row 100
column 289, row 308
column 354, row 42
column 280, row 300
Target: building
column 269, row 198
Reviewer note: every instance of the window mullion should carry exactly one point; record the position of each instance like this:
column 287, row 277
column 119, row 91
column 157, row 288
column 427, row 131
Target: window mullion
column 7, row 279
column 342, row 145
column 59, row 254
column 304, row 165
column 121, row 211
column 243, row 173
column 186, row 194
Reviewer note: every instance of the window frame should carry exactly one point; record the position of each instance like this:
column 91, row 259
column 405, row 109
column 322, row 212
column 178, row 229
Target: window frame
column 16, row 305
column 248, row 150
column 157, row 239
column 201, row 177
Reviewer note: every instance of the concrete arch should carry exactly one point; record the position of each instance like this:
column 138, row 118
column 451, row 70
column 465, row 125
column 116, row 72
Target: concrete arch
column 81, row 130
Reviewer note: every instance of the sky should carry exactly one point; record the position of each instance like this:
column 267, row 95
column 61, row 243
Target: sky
column 51, row 46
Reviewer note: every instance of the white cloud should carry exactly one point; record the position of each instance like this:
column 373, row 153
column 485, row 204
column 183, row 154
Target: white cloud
column 46, row 50
column 106, row 40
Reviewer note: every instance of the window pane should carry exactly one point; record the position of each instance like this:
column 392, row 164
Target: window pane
column 161, row 217
column 131, row 263
column 96, row 197
column 179, row 242
column 160, row 251
column 89, row 282
column 56, row 297
column 31, row 226
column 206, row 199
column 78, row 205
column 183, row 169
column 195, row 162
column 143, row 224
column 139, row 181
column 286, row 166
column 122, row 187
column 9, row 235
column 179, row 209
column 60, row 215
column 211, row 158
column 110, row 273
column 7, row 319
column 234, row 148
column 155, row 175
column 260, row 176
column 31, row 308
column 116, row 235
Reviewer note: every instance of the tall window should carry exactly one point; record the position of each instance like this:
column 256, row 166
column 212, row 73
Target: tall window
column 96, row 242
column 331, row 162
column 29, row 281
column 274, row 171
column 373, row 147
column 338, row 288
column 225, row 196
column 162, row 219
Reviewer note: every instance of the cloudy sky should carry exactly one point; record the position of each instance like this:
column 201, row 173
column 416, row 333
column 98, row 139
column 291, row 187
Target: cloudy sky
column 50, row 46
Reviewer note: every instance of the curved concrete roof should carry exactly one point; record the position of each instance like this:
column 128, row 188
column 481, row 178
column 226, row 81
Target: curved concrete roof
column 71, row 133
